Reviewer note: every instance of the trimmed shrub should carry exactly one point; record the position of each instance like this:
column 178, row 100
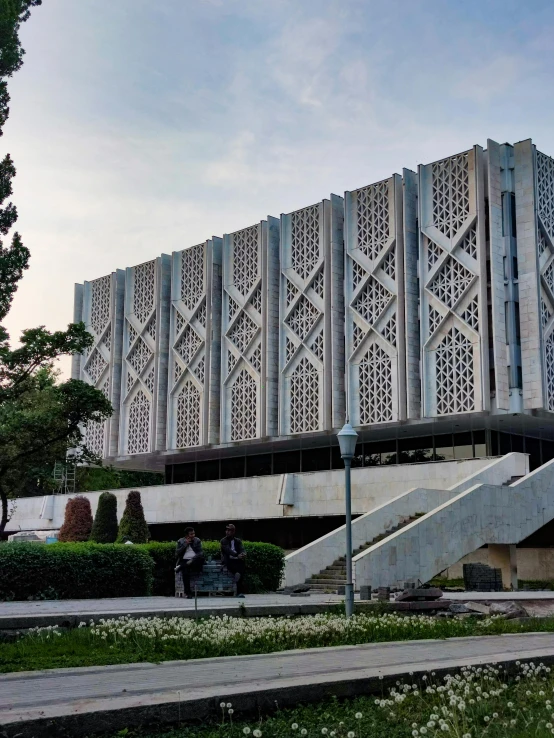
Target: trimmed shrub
column 133, row 525
column 264, row 565
column 77, row 522
column 104, row 528
column 73, row 571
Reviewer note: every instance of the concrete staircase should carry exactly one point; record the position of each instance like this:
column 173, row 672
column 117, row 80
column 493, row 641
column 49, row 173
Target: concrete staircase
column 389, row 522
column 333, row 576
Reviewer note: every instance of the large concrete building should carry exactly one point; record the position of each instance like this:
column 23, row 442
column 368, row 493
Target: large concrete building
column 422, row 306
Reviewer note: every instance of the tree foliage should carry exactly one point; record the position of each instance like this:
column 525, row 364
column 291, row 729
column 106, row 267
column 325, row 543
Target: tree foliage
column 133, row 525
column 93, row 478
column 104, row 527
column 39, row 417
column 77, row 522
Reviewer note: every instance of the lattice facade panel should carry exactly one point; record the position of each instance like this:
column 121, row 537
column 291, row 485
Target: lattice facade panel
column 374, row 293
column 99, row 304
column 144, row 374
column 453, row 298
column 311, row 356
column 249, row 331
column 194, row 346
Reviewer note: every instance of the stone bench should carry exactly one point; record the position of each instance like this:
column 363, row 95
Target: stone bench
column 213, row 580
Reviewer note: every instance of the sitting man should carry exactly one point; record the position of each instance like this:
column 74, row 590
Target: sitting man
column 233, row 556
column 189, row 558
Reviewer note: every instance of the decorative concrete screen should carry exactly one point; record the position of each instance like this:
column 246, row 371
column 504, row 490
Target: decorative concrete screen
column 144, row 376
column 99, row 304
column 311, row 350
column 534, row 175
column 194, row 337
column 250, row 329
column 374, row 287
column 453, row 297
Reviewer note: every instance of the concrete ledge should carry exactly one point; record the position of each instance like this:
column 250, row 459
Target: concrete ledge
column 81, row 701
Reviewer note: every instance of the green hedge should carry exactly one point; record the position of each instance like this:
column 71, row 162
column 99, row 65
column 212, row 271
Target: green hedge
column 264, row 565
column 61, row 571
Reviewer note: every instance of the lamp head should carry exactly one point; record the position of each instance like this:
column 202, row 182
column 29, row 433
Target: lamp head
column 347, row 441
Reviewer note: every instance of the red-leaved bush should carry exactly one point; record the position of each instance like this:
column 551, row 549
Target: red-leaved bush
column 77, row 522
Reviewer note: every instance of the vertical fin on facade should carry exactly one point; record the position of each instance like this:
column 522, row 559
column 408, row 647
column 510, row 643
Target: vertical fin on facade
column 144, row 365
column 311, row 305
column 194, row 346
column 452, row 260
column 375, row 297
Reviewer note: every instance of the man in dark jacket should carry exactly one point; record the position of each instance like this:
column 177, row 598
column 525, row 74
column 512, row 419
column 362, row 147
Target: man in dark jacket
column 233, row 555
column 189, row 558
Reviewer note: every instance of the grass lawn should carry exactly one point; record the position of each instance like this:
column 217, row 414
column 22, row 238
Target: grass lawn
column 477, row 703
column 126, row 640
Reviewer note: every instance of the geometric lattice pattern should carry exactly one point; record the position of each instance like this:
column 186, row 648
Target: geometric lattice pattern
column 304, row 407
column 543, row 246
column 471, row 313
column 372, row 300
column 389, row 330
column 143, row 290
column 548, row 275
column 256, row 300
column 450, row 282
column 549, row 360
column 188, row 416
column 138, row 436
column 317, row 284
column 434, row 319
column 388, row 265
column 450, row 194
column 245, row 259
column 358, row 273
column 100, row 303
column 303, row 317
column 139, row 356
column 243, row 332
column 188, row 344
column 434, row 252
column 192, row 275
column 291, row 292
column 358, row 335
column 375, row 386
column 546, row 313
column 243, row 407
column 454, row 374
column 373, row 218
column 96, row 366
column 469, row 242
column 289, row 350
column 256, row 358
column 305, row 240
column 317, row 346
column 545, row 187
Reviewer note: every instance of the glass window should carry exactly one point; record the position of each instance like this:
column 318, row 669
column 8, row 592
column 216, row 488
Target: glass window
column 206, row 471
column 517, row 443
column 533, row 448
column 412, row 450
column 286, row 462
column 444, row 449
column 232, row 468
column 480, row 443
column 316, row 459
column 258, row 466
column 183, row 473
column 505, row 443
column 494, row 443
column 463, row 446
column 382, row 452
column 547, row 449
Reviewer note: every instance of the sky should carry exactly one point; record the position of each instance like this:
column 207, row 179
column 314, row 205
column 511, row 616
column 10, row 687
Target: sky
column 140, row 128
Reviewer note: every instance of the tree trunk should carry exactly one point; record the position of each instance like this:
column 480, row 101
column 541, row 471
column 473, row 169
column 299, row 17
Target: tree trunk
column 4, row 501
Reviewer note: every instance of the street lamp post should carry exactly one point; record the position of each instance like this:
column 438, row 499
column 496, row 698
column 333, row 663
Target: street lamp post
column 347, row 441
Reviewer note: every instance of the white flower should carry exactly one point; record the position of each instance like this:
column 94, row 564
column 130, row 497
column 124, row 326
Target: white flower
column 246, row 730
column 230, row 711
column 222, row 705
column 229, row 704
column 257, row 733
column 294, row 726
column 350, row 734
column 303, row 731
column 358, row 716
column 324, row 731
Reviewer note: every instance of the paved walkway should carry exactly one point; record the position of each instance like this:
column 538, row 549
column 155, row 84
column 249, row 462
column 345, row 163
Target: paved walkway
column 20, row 615
column 113, row 697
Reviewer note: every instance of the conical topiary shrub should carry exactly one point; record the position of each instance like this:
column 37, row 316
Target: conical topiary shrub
column 104, row 528
column 77, row 522
column 133, row 523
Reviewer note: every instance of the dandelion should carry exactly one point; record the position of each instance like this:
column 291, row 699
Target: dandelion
column 246, row 730
column 358, row 716
column 351, row 734
column 257, row 733
column 294, row 726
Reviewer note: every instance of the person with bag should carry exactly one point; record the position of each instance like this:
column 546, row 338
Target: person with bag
column 233, row 556
column 189, row 558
